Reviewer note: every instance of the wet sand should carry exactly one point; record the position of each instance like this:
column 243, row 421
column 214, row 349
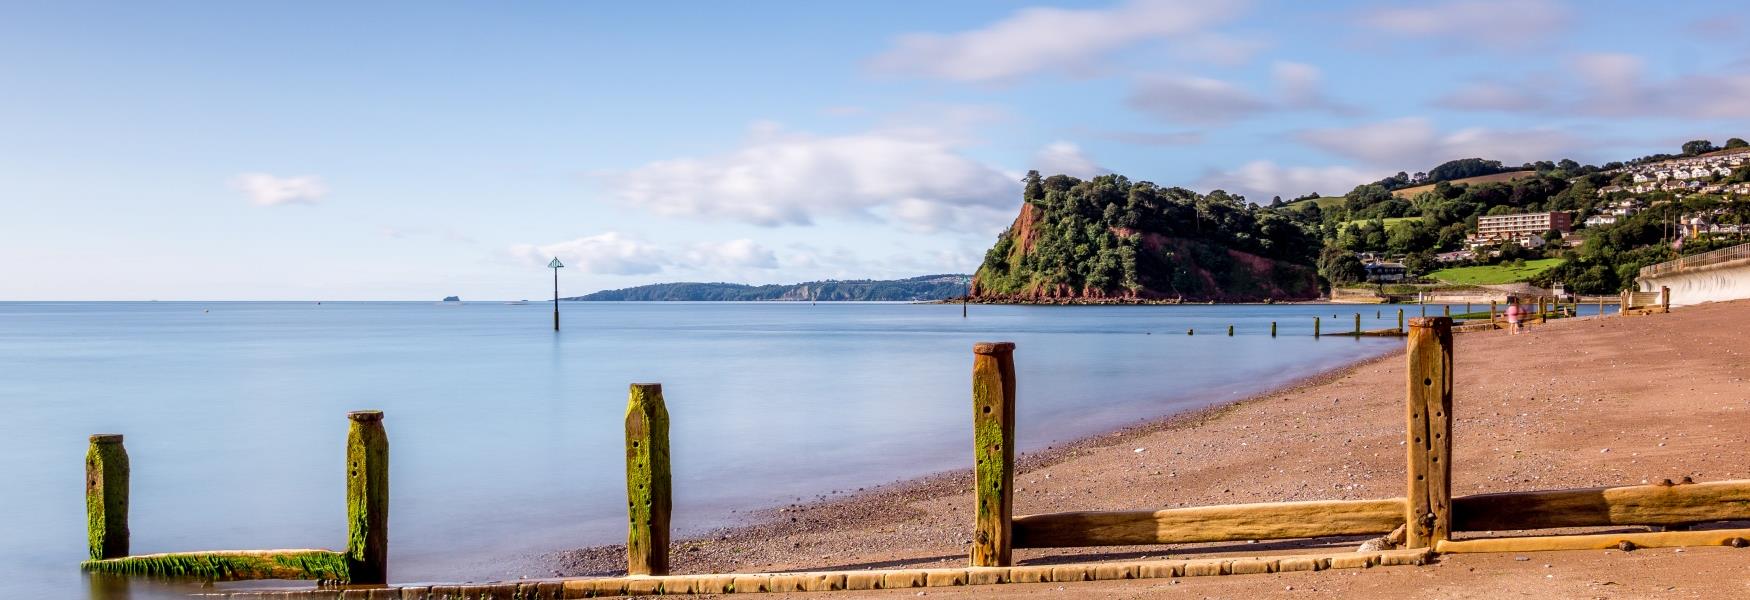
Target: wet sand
column 1575, row 403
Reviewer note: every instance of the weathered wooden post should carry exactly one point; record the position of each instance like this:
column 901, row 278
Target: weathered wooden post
column 1491, row 312
column 367, row 498
column 1315, row 327
column 648, row 486
column 1400, row 321
column 1230, row 331
column 1272, row 329
column 1429, row 440
column 1601, row 306
column 1377, row 313
column 1542, row 309
column 1665, row 297
column 1446, row 310
column 1358, row 324
column 106, row 496
column 993, row 435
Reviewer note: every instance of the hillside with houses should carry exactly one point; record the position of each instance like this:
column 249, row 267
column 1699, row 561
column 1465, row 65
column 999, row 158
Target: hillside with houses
column 1588, row 227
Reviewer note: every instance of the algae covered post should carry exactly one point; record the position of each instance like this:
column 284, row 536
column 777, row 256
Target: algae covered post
column 106, row 496
column 1428, row 507
column 648, row 487
column 993, row 431
column 367, row 498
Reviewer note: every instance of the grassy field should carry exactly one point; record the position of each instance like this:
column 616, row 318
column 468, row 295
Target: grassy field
column 1324, row 202
column 1495, row 274
column 1410, row 192
column 1389, row 223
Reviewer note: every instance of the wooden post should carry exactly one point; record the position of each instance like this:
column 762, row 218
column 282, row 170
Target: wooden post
column 1429, row 439
column 1357, row 324
column 1665, row 297
column 1446, row 309
column 1601, row 307
column 1230, row 331
column 106, row 496
column 993, row 435
column 1315, row 327
column 648, row 485
column 1491, row 311
column 1400, row 321
column 1377, row 313
column 1272, row 329
column 1542, row 309
column 367, row 498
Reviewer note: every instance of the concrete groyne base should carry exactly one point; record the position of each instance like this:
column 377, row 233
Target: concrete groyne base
column 824, row 581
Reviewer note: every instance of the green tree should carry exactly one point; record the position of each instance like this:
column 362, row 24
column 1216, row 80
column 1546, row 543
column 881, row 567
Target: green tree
column 1736, row 143
column 1340, row 267
column 1694, row 147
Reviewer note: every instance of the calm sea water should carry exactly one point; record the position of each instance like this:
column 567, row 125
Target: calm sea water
column 506, row 436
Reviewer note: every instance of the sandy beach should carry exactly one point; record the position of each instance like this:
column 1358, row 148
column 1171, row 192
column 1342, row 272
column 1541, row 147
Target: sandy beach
column 1575, row 403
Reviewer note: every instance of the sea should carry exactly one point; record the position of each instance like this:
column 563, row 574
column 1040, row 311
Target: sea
column 506, row 437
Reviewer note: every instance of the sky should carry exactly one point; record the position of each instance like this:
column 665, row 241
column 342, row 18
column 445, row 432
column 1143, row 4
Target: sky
column 414, row 150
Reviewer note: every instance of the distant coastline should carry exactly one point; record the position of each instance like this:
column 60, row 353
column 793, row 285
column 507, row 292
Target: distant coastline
column 915, row 289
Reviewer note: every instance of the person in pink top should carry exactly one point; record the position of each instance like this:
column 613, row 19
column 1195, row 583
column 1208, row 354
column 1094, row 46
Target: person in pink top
column 1512, row 315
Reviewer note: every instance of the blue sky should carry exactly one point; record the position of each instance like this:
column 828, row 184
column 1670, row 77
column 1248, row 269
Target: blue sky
column 416, row 150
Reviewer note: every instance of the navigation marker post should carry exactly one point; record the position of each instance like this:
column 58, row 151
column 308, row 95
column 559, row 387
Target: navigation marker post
column 555, row 266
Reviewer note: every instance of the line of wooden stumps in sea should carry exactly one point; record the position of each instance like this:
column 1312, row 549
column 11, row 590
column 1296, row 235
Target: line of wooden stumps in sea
column 364, row 560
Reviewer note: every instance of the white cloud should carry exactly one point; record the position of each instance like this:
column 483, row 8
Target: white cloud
column 1618, row 85
column 268, row 190
column 611, row 253
column 1493, row 95
column 1037, row 39
column 733, row 254
column 1194, row 99
column 1414, row 143
column 1498, row 24
column 916, row 177
column 1068, row 159
column 616, row 253
column 1259, row 180
column 1212, row 101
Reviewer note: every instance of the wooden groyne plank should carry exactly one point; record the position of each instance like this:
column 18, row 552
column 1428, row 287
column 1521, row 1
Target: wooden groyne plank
column 1656, row 504
column 1235, row 522
column 229, row 565
column 649, row 489
column 1600, row 541
column 862, row 580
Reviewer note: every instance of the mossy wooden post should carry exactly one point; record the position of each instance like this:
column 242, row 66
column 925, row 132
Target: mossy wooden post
column 1315, row 327
column 1230, row 331
column 1357, row 324
column 1400, row 321
column 993, row 433
column 106, row 496
column 1272, row 329
column 1428, row 515
column 648, row 486
column 367, row 498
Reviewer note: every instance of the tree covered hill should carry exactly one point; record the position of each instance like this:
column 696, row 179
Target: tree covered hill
column 928, row 287
column 1110, row 239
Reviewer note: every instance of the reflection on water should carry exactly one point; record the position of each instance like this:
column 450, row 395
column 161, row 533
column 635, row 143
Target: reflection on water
column 505, row 436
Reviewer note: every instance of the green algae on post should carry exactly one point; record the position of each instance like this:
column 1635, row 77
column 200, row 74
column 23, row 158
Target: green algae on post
column 367, row 498
column 235, row 565
column 993, row 431
column 106, row 496
column 648, row 491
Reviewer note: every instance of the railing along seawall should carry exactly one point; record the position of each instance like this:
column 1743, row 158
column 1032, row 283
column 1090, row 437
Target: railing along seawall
column 1741, row 251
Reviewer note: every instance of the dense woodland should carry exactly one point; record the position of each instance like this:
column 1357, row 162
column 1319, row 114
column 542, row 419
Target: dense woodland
column 1093, row 238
